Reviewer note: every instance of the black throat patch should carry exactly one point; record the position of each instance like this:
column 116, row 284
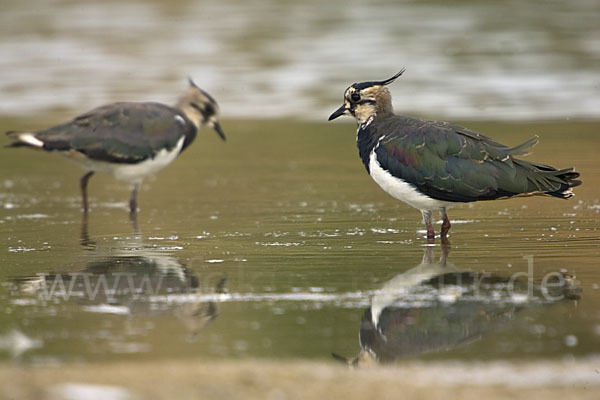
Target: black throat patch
column 366, row 140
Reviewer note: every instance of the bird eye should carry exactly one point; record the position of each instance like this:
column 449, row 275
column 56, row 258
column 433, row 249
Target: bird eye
column 355, row 96
column 209, row 109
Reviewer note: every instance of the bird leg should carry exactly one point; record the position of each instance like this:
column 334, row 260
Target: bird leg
column 427, row 255
column 85, row 240
column 445, row 251
column 83, row 185
column 428, row 224
column 133, row 198
column 445, row 242
column 445, row 223
column 134, row 223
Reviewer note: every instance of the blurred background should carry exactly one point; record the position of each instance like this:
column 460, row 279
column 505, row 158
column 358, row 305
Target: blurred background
column 465, row 59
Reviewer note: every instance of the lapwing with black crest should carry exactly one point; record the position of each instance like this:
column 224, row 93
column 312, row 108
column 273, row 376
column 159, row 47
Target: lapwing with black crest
column 128, row 140
column 433, row 165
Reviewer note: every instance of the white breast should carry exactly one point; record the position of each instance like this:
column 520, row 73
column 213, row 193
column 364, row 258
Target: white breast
column 400, row 189
column 134, row 173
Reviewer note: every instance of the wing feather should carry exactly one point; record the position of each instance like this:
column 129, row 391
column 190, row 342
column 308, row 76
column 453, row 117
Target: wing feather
column 120, row 132
column 451, row 163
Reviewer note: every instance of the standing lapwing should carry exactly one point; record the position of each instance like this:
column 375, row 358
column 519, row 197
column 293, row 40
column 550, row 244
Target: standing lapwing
column 434, row 165
column 127, row 140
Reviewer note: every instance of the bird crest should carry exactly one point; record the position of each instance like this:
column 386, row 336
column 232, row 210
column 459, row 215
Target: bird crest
column 200, row 108
column 366, row 100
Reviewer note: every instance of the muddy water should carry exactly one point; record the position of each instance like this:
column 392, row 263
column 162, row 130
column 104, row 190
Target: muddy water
column 277, row 244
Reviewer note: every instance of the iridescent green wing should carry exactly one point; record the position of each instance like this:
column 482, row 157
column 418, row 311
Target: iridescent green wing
column 451, row 163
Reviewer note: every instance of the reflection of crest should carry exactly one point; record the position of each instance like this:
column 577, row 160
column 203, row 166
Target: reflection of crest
column 434, row 307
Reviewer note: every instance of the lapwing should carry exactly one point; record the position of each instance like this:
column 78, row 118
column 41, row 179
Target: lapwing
column 128, row 140
column 433, row 165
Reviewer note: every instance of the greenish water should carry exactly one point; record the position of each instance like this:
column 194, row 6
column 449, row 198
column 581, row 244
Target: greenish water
column 276, row 243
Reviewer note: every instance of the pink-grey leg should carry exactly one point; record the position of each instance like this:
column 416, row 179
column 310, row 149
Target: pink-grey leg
column 445, row 223
column 428, row 224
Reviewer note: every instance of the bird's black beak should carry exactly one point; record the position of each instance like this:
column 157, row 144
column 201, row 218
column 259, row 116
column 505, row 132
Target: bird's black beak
column 337, row 113
column 217, row 127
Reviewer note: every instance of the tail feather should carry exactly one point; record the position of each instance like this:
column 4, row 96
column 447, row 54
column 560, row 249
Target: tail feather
column 24, row 139
column 569, row 178
column 546, row 180
column 523, row 148
column 17, row 144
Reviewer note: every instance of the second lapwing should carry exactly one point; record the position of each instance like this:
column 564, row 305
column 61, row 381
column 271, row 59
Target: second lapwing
column 127, row 140
column 433, row 165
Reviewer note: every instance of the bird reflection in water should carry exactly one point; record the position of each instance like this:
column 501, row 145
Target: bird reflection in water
column 435, row 307
column 124, row 278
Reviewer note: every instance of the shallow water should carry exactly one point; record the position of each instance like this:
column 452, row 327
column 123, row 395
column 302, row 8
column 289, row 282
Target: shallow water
column 268, row 58
column 276, row 244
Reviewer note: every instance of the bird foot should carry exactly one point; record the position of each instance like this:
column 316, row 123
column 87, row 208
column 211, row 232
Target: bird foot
column 445, row 242
column 430, row 235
